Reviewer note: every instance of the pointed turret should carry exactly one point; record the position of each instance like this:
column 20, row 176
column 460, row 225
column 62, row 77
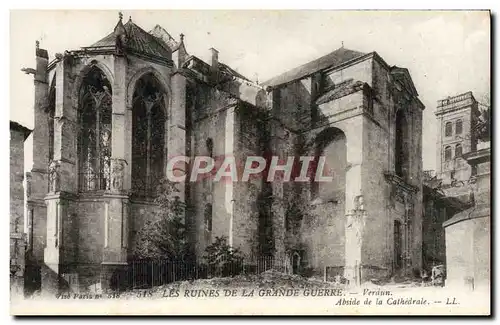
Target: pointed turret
column 182, row 53
column 120, row 34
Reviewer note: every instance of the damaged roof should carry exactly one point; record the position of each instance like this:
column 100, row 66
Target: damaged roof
column 137, row 40
column 164, row 36
column 340, row 90
column 224, row 68
column 333, row 59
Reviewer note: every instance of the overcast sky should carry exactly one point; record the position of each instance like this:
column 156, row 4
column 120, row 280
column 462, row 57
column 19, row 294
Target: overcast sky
column 447, row 53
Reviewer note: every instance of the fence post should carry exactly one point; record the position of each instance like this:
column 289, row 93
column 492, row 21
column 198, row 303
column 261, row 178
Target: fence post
column 163, row 270
column 133, row 275
column 152, row 274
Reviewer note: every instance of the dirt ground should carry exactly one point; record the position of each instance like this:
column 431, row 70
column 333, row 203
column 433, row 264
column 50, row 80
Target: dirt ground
column 274, row 279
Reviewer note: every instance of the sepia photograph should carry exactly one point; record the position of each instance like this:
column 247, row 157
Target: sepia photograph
column 250, row 162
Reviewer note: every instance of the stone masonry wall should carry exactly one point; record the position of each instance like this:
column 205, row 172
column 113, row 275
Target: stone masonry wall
column 17, row 236
column 378, row 227
column 16, row 180
column 208, row 121
column 248, row 129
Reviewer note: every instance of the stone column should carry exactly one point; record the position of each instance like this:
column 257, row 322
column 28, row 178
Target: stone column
column 278, row 204
column 176, row 126
column 116, row 212
column 354, row 233
column 408, row 234
column 354, row 205
column 229, row 147
column 38, row 180
column 59, row 253
column 277, row 149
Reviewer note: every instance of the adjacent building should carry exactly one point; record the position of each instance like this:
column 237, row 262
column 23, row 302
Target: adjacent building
column 457, row 198
column 18, row 134
column 468, row 233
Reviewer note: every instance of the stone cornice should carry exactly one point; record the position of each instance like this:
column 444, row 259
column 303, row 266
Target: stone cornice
column 102, row 195
column 39, row 170
column 399, row 182
column 478, row 156
column 458, row 107
column 62, row 195
column 35, row 202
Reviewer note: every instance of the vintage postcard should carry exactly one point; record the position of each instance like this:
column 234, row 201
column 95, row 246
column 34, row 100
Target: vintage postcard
column 304, row 162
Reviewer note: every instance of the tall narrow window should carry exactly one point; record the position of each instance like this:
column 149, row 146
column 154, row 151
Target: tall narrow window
column 148, row 129
column 458, row 127
column 95, row 132
column 210, row 147
column 448, row 129
column 398, row 245
column 447, row 153
column 458, row 150
column 50, row 117
column 401, row 150
column 208, row 217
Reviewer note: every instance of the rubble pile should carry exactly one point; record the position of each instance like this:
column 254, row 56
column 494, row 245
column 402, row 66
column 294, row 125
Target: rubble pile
column 267, row 279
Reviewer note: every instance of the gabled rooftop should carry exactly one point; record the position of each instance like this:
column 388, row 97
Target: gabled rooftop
column 15, row 126
column 404, row 76
column 333, row 59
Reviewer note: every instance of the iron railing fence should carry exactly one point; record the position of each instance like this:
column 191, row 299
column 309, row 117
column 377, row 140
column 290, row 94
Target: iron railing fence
column 147, row 273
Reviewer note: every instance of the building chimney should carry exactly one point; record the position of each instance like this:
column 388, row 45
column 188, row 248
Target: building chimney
column 214, row 64
column 215, row 58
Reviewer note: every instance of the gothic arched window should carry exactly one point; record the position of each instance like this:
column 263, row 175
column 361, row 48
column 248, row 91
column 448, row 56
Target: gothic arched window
column 458, row 127
column 447, row 153
column 148, row 134
column 458, row 150
column 94, row 150
column 448, row 129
